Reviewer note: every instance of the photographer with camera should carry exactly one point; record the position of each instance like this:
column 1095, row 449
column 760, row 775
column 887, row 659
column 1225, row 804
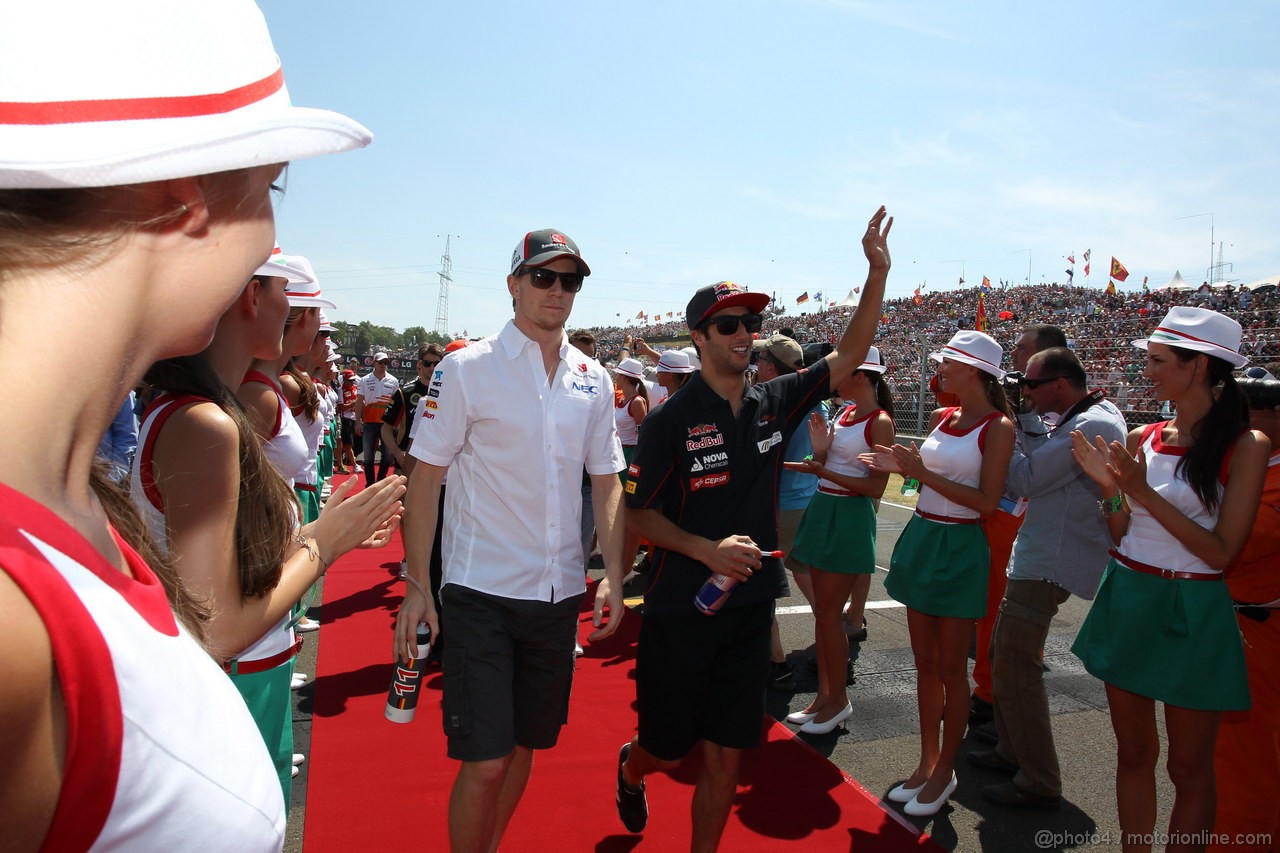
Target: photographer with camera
column 1002, row 525
column 1061, row 551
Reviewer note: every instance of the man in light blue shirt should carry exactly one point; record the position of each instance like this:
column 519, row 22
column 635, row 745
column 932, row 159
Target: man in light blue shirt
column 1060, row 551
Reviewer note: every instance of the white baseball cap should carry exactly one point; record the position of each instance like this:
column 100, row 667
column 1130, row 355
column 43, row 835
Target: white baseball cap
column 104, row 94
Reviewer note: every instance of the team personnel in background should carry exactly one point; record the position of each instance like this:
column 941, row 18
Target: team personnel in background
column 1060, row 552
column 1001, row 528
column 706, row 494
column 586, row 344
column 376, row 387
column 777, row 356
column 1180, row 499
column 940, row 564
column 397, row 422
column 349, row 401
column 516, row 419
column 837, row 536
column 1247, row 756
column 135, row 233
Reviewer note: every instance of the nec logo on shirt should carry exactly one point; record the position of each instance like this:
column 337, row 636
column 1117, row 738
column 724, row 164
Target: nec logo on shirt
column 593, row 390
column 710, row 481
column 769, row 442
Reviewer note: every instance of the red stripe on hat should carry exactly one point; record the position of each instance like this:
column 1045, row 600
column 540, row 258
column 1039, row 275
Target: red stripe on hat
column 131, row 109
column 309, row 294
column 1179, row 334
column 968, row 354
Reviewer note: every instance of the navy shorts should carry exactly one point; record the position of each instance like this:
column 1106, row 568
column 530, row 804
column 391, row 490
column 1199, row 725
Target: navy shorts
column 703, row 677
column 508, row 669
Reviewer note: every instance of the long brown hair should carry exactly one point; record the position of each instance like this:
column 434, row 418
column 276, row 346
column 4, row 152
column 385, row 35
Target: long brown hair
column 125, row 519
column 266, row 508
column 310, row 396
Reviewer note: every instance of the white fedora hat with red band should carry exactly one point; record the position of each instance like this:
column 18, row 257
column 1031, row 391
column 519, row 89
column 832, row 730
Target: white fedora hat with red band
column 1199, row 330
column 104, row 94
column 304, row 294
column 873, row 362
column 284, row 266
column 973, row 348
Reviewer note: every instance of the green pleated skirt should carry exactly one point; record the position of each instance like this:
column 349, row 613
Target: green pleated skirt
column 940, row 569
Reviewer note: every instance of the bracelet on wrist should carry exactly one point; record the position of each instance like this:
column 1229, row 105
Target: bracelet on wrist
column 1112, row 505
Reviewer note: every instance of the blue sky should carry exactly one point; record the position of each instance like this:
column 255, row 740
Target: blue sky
column 684, row 143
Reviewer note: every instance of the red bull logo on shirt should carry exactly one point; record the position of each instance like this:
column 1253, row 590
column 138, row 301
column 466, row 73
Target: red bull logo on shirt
column 704, row 442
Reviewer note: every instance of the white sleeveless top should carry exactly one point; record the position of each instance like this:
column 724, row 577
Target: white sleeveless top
column 1146, row 541
column 852, row 436
column 147, row 500
column 325, row 413
column 287, row 447
column 161, row 751
column 313, row 435
column 957, row 456
column 628, row 430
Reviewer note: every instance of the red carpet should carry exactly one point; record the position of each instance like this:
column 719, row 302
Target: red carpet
column 377, row 785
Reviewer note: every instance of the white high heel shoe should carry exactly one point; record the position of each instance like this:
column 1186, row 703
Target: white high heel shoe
column 915, row 808
column 903, row 794
column 800, row 717
column 813, row 727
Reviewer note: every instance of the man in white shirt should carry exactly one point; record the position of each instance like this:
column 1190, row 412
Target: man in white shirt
column 515, row 419
column 376, row 390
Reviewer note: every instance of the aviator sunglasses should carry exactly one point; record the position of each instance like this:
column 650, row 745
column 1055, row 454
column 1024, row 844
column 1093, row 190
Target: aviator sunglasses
column 1036, row 383
column 729, row 325
column 542, row 279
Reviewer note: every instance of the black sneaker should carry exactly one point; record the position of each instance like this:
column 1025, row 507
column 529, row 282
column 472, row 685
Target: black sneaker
column 849, row 677
column 633, row 808
column 781, row 676
column 856, row 635
column 980, row 711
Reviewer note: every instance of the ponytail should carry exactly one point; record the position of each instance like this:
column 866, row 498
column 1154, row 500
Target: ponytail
column 310, row 396
column 884, row 399
column 998, row 398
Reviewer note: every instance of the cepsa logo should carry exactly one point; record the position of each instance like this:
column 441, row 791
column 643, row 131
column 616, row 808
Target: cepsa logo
column 709, row 481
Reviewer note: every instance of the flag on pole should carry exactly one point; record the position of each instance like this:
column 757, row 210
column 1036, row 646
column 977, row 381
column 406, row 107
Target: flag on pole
column 1144, row 285
column 802, row 298
column 1086, row 255
column 962, row 281
column 1071, row 259
column 986, row 284
column 980, row 319
column 916, row 299
column 639, row 315
column 1111, row 288
column 1086, row 269
column 1118, row 272
column 818, row 295
column 1071, row 274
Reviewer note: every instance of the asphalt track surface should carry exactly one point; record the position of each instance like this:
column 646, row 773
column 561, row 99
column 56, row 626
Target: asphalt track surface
column 879, row 746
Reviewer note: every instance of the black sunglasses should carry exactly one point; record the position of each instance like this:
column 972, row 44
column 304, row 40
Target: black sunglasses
column 542, row 279
column 1036, row 383
column 729, row 325
column 426, row 363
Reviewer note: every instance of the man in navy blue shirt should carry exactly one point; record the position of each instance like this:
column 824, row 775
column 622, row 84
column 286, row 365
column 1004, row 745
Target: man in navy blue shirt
column 703, row 488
